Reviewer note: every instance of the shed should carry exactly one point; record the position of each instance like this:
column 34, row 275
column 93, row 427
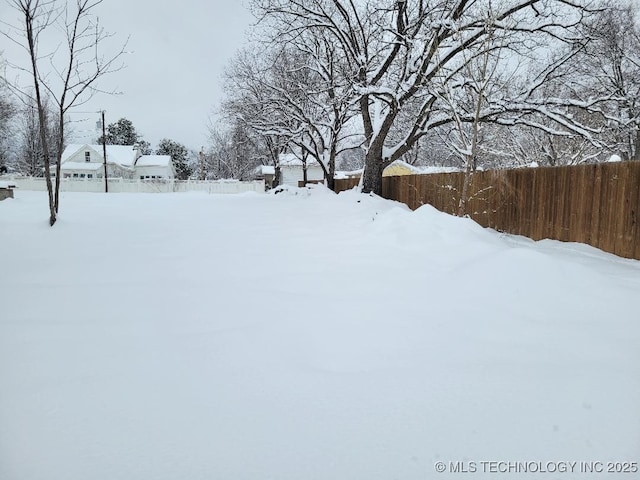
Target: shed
column 291, row 170
column 6, row 190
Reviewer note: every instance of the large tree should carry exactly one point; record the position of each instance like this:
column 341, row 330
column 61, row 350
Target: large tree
column 292, row 91
column 605, row 68
column 247, row 107
column 402, row 53
column 68, row 72
column 611, row 63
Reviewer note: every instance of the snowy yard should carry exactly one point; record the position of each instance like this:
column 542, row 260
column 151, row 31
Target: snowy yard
column 299, row 337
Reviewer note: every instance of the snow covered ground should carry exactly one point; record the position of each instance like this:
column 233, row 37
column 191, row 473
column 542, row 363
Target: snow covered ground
column 306, row 336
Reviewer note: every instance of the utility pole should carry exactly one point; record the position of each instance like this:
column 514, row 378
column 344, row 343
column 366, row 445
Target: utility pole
column 202, row 163
column 104, row 154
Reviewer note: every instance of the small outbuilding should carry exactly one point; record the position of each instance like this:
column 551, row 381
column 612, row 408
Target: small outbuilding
column 292, row 170
column 6, row 190
column 266, row 173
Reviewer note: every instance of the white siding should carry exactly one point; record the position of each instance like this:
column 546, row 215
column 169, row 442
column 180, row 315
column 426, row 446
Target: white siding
column 291, row 175
column 79, row 157
column 153, row 170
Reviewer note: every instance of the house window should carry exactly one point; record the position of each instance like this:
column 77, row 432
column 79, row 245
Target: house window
column 67, row 175
column 87, row 156
column 75, row 175
column 141, row 177
column 82, row 175
column 89, row 175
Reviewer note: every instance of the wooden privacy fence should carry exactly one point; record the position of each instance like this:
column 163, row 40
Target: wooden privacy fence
column 596, row 204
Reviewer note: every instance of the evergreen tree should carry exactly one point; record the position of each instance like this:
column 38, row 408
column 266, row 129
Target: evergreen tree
column 144, row 146
column 123, row 132
column 179, row 155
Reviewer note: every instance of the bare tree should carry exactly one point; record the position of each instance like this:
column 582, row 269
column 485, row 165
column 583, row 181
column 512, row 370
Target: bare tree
column 30, row 158
column 611, row 63
column 29, row 150
column 606, row 68
column 233, row 152
column 7, row 111
column 247, row 106
column 69, row 74
column 400, row 53
column 294, row 91
column 315, row 97
column 466, row 100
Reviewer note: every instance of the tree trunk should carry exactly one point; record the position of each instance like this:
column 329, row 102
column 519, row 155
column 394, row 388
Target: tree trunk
column 331, row 182
column 464, row 195
column 41, row 112
column 305, row 179
column 52, row 207
column 636, row 146
column 277, row 177
column 373, row 167
column 60, row 146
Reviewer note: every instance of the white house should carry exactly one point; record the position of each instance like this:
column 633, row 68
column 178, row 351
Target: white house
column 87, row 161
column 291, row 170
column 123, row 161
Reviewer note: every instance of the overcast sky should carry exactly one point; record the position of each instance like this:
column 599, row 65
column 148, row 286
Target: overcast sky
column 173, row 76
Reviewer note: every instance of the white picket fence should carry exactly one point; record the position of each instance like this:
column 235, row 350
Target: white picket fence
column 119, row 185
